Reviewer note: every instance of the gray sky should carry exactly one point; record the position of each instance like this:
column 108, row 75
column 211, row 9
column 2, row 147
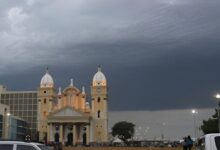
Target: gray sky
column 160, row 54
column 171, row 124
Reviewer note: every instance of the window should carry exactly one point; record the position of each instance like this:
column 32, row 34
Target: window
column 20, row 95
column 45, row 91
column 25, row 101
column 45, row 101
column 6, row 146
column 201, row 144
column 25, row 107
column 34, row 107
column 34, row 113
column 42, row 147
column 25, row 147
column 3, row 101
column 11, row 96
column 99, row 99
column 25, row 95
column 98, row 114
column 217, row 142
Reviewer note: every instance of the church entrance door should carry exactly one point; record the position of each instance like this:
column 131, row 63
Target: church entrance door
column 56, row 137
column 84, row 138
column 69, row 139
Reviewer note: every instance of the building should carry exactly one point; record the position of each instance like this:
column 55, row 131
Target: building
column 11, row 127
column 67, row 116
column 4, row 112
column 17, row 128
column 64, row 116
column 24, row 105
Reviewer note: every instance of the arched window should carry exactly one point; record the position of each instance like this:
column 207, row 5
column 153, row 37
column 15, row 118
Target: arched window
column 98, row 113
column 45, row 101
column 99, row 99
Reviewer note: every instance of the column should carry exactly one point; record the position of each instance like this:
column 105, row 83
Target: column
column 80, row 134
column 74, row 134
column 51, row 132
column 92, row 128
column 87, row 134
column 61, row 133
column 48, row 132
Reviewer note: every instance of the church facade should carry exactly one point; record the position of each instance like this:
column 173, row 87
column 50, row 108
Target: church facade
column 67, row 117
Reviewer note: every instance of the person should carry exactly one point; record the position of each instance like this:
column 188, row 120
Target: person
column 184, row 143
column 189, row 143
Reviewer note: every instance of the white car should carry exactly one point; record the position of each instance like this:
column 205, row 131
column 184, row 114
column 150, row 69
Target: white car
column 15, row 145
column 209, row 142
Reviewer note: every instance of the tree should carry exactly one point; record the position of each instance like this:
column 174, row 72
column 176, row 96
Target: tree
column 123, row 130
column 210, row 125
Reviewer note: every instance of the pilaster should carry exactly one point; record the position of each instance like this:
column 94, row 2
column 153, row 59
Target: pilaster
column 74, row 134
column 87, row 134
column 48, row 133
column 61, row 133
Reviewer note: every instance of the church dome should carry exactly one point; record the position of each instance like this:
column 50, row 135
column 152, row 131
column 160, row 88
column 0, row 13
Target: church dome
column 99, row 78
column 47, row 80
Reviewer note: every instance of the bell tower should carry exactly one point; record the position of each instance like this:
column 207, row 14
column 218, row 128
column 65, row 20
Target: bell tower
column 46, row 96
column 99, row 94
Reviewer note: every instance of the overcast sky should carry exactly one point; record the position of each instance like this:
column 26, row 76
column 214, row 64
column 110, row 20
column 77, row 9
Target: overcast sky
column 172, row 124
column 156, row 54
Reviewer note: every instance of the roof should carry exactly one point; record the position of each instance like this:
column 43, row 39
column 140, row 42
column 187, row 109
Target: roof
column 68, row 113
column 47, row 80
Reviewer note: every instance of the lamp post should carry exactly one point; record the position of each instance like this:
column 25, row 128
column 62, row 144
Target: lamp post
column 163, row 134
column 218, row 102
column 194, row 112
column 8, row 129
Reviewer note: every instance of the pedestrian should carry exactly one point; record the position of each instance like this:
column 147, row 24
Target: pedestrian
column 184, row 143
column 189, row 143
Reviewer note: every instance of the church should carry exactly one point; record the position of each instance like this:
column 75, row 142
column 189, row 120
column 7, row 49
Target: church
column 66, row 116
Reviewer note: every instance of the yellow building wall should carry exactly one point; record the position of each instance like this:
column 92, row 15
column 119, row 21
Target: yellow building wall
column 45, row 99
column 100, row 124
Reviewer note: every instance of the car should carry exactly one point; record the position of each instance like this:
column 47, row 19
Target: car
column 17, row 145
column 209, row 142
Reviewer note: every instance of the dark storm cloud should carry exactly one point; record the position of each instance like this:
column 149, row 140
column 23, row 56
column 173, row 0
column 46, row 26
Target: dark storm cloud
column 161, row 54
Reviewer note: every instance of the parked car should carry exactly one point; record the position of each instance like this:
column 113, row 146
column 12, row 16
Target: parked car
column 15, row 145
column 209, row 142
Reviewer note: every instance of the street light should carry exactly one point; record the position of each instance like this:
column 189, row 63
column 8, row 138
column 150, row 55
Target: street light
column 8, row 126
column 217, row 96
column 162, row 135
column 194, row 112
